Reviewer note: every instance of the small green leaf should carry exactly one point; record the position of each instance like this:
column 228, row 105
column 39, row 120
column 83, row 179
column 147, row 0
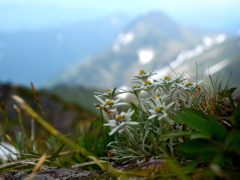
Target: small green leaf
column 222, row 158
column 56, row 153
column 196, row 122
column 203, row 123
column 113, row 93
column 177, row 119
column 202, row 148
column 235, row 119
column 180, row 171
column 197, row 100
column 200, row 136
column 134, row 107
column 192, row 165
column 227, row 92
column 178, row 134
column 233, row 141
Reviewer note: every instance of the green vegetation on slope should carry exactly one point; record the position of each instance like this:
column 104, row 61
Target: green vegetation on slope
column 64, row 116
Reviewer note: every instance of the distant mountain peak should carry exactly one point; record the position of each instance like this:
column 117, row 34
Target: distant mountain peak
column 148, row 42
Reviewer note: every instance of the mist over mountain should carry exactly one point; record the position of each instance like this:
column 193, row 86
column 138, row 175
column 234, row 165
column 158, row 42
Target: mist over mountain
column 149, row 42
column 36, row 55
column 96, row 53
column 18, row 15
column 34, row 16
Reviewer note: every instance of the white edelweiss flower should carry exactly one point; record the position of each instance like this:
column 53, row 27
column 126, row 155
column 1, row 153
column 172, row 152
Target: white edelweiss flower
column 190, row 86
column 162, row 98
column 159, row 109
column 135, row 89
column 109, row 93
column 143, row 76
column 168, row 82
column 148, row 86
column 151, row 99
column 121, row 122
column 109, row 104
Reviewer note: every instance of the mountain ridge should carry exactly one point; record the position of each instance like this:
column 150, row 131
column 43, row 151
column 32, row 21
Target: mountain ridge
column 154, row 35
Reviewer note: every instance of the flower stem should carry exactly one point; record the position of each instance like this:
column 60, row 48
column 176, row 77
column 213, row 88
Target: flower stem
column 134, row 141
column 190, row 100
column 169, row 123
column 160, row 123
column 139, row 101
column 149, row 94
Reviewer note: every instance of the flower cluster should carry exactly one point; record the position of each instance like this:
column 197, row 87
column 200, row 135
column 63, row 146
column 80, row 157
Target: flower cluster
column 157, row 99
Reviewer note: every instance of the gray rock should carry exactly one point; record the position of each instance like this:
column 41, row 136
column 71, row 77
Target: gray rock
column 50, row 174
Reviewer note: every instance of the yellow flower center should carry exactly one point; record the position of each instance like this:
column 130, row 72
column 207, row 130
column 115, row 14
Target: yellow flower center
column 107, row 90
column 141, row 71
column 147, row 82
column 119, row 117
column 189, row 83
column 108, row 102
column 135, row 86
column 158, row 109
column 167, row 77
column 155, row 97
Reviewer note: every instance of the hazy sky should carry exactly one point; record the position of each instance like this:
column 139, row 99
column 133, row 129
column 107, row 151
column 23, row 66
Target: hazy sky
column 17, row 14
column 119, row 4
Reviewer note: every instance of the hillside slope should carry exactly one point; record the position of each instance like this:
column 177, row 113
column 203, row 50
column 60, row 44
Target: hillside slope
column 64, row 116
column 220, row 61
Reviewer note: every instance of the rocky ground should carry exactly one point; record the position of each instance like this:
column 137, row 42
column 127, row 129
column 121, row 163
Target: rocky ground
column 146, row 168
column 51, row 174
